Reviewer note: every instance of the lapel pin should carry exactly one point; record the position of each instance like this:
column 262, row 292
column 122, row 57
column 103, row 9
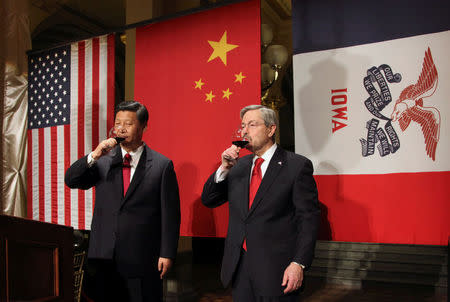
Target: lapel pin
column 280, row 163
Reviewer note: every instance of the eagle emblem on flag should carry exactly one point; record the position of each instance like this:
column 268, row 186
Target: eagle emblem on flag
column 410, row 106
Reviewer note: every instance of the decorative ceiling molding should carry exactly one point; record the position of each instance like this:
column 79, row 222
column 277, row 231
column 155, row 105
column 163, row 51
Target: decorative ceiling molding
column 64, row 25
column 269, row 15
column 273, row 12
column 282, row 7
column 49, row 6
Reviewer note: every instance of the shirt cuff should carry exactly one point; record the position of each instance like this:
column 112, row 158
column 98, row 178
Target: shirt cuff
column 302, row 266
column 90, row 160
column 221, row 174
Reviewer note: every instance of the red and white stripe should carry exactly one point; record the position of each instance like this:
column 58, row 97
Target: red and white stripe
column 51, row 150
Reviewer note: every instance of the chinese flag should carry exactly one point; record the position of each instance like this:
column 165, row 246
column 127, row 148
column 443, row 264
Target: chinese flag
column 194, row 74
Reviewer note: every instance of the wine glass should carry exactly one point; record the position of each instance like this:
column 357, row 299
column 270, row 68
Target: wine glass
column 238, row 139
column 114, row 133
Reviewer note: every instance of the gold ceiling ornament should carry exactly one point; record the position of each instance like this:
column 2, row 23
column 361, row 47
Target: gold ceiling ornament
column 123, row 38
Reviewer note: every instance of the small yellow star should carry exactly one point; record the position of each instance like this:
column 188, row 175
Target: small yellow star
column 221, row 48
column 227, row 93
column 209, row 96
column 199, row 84
column 239, row 77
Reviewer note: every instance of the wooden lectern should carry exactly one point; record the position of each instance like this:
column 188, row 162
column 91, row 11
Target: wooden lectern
column 36, row 261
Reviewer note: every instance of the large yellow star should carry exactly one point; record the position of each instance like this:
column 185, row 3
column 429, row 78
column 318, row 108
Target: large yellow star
column 209, row 96
column 199, row 84
column 227, row 93
column 239, row 77
column 221, row 48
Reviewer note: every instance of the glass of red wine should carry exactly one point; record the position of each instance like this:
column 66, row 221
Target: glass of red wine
column 238, row 140
column 114, row 133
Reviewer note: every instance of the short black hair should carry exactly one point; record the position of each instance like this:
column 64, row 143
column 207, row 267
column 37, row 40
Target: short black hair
column 141, row 110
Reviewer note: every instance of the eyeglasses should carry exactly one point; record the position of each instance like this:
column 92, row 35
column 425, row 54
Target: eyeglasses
column 251, row 125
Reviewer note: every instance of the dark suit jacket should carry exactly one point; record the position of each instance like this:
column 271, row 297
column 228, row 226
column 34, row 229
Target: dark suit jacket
column 281, row 225
column 137, row 229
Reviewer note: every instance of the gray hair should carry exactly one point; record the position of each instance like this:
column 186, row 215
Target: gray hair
column 268, row 115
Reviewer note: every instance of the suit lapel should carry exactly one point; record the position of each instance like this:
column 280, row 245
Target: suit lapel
column 114, row 172
column 275, row 166
column 144, row 165
column 244, row 180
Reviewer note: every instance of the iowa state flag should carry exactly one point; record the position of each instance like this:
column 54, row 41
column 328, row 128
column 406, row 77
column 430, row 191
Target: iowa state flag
column 372, row 112
column 194, row 74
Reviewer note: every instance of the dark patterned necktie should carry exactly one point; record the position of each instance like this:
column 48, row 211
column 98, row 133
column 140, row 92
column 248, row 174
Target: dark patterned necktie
column 126, row 172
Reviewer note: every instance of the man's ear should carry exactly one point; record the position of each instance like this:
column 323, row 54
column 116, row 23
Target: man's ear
column 273, row 128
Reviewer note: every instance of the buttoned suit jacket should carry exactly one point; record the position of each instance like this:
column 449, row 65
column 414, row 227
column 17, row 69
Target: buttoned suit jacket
column 138, row 228
column 281, row 225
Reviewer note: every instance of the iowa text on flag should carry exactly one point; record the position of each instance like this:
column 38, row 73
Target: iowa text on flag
column 194, row 74
column 70, row 108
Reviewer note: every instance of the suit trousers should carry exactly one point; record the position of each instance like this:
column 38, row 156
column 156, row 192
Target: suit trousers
column 243, row 289
column 109, row 285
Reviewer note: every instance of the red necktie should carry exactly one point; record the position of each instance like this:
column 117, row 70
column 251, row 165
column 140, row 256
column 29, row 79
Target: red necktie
column 126, row 169
column 255, row 181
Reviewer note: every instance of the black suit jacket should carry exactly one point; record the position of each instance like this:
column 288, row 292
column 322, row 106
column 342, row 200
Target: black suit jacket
column 137, row 229
column 281, row 225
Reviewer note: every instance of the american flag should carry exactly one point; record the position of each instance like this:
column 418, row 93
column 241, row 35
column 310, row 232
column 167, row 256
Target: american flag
column 70, row 109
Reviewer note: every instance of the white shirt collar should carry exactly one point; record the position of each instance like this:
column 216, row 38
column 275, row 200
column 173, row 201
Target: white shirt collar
column 267, row 156
column 135, row 155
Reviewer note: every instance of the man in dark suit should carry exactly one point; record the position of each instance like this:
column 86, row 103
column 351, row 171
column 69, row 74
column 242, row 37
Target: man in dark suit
column 273, row 213
column 136, row 220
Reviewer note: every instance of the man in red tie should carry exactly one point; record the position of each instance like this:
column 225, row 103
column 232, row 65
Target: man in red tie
column 136, row 221
column 273, row 213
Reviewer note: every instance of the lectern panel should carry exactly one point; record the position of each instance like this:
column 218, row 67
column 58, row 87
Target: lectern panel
column 36, row 261
column 32, row 270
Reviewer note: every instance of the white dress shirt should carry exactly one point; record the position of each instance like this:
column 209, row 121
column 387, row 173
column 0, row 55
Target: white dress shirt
column 135, row 157
column 221, row 174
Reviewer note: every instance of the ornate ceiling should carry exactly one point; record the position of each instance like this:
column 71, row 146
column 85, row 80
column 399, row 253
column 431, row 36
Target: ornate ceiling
column 55, row 21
